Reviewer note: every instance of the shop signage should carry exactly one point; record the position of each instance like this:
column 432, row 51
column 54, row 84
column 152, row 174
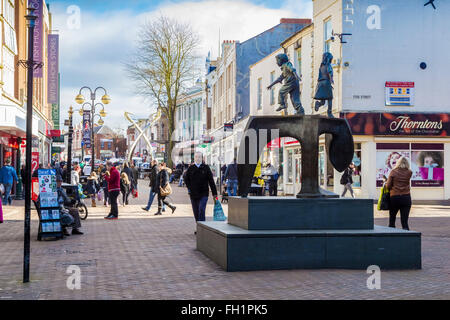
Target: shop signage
column 399, row 93
column 228, row 127
column 55, row 133
column 34, row 161
column 398, row 124
column 38, row 35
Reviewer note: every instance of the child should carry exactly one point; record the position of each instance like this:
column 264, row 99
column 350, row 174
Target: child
column 291, row 84
column 124, row 187
column 93, row 187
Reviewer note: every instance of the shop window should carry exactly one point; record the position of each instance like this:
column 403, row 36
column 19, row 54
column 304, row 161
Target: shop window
column 299, row 60
column 8, row 72
column 322, row 165
column 289, row 166
column 327, row 31
column 357, row 161
column 426, row 161
column 259, row 102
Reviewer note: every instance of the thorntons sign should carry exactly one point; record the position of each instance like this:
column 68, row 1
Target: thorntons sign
column 398, row 124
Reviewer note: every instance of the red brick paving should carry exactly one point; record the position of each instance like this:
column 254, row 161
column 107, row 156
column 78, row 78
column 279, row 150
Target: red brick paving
column 141, row 256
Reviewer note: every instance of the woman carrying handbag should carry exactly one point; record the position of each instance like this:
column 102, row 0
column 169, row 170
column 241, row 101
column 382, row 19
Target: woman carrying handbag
column 163, row 188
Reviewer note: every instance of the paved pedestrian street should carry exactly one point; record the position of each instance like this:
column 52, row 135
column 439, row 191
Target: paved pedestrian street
column 141, row 256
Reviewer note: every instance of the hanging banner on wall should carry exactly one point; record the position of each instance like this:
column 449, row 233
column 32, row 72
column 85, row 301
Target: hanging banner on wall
column 38, row 35
column 52, row 68
column 87, row 129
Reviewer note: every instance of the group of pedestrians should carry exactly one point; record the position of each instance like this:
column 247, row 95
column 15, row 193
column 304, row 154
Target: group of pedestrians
column 159, row 186
column 398, row 185
column 198, row 179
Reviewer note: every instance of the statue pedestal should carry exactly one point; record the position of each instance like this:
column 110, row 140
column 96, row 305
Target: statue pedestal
column 287, row 233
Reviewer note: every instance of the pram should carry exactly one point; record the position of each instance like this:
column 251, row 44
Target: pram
column 72, row 193
column 176, row 174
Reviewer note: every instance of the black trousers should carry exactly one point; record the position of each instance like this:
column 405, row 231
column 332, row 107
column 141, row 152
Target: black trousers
column 273, row 188
column 402, row 203
column 113, row 195
column 162, row 200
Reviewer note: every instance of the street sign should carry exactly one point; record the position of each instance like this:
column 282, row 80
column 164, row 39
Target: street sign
column 228, row 127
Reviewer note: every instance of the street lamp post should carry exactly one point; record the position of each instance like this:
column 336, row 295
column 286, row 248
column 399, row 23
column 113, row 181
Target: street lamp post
column 30, row 65
column 105, row 100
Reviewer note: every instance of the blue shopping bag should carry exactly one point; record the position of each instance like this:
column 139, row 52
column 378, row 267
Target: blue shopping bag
column 219, row 215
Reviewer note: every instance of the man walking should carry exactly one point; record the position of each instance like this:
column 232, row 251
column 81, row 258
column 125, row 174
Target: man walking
column 113, row 178
column 7, row 177
column 153, row 183
column 232, row 175
column 347, row 180
column 198, row 177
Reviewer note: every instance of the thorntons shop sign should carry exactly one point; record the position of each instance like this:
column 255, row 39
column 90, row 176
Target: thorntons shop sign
column 388, row 124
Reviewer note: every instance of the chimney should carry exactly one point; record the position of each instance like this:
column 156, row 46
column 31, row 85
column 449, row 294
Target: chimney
column 296, row 21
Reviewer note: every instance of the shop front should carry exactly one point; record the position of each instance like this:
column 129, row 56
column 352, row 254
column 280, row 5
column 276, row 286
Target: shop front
column 383, row 138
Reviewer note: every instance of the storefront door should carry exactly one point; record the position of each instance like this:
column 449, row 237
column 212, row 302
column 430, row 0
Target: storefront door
column 297, row 165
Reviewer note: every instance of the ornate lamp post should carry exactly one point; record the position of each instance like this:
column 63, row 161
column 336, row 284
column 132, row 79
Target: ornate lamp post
column 30, row 65
column 92, row 105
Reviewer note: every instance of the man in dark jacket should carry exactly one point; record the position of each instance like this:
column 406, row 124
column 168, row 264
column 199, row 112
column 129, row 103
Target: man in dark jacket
column 347, row 180
column 153, row 183
column 198, row 177
column 232, row 176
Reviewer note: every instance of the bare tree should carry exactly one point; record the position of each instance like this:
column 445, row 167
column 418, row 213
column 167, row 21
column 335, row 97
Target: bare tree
column 164, row 63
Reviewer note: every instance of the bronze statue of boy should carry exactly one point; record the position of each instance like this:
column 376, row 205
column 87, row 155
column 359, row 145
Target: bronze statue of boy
column 324, row 90
column 291, row 84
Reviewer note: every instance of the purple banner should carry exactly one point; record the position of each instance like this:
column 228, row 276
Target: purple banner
column 38, row 35
column 87, row 129
column 52, row 68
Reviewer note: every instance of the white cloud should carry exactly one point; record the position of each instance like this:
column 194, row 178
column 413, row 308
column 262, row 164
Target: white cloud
column 94, row 55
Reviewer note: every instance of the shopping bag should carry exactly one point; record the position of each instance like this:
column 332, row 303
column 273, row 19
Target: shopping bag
column 100, row 195
column 135, row 193
column 1, row 211
column 383, row 201
column 219, row 215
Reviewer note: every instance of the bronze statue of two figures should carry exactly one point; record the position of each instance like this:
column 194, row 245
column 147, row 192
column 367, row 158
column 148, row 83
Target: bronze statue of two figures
column 291, row 86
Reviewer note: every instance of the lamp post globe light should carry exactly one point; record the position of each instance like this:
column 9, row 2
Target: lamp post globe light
column 79, row 99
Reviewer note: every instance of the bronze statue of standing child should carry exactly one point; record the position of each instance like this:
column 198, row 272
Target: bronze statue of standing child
column 291, row 84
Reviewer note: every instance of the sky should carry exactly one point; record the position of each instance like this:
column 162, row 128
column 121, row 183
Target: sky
column 97, row 37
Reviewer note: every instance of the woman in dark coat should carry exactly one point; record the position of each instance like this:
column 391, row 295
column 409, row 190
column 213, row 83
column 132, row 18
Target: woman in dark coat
column 124, row 187
column 93, row 187
column 162, row 180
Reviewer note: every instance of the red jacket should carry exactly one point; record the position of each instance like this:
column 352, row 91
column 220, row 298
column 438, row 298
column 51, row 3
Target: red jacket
column 113, row 180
